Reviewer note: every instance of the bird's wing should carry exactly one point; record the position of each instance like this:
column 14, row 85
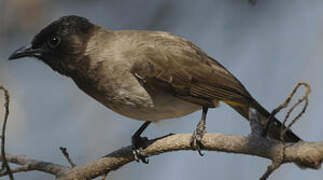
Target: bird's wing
column 188, row 72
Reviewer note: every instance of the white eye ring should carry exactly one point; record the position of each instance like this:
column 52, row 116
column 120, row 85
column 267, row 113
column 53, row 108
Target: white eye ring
column 54, row 41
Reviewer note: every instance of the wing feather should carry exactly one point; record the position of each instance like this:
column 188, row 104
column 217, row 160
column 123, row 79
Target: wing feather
column 188, row 72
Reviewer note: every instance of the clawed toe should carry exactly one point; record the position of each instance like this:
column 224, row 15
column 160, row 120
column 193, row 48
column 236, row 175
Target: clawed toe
column 139, row 156
column 138, row 144
column 196, row 141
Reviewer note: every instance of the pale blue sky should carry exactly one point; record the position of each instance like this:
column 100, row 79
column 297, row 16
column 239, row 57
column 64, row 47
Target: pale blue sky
column 269, row 47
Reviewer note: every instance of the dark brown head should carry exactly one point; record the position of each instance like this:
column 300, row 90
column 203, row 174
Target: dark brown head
column 60, row 43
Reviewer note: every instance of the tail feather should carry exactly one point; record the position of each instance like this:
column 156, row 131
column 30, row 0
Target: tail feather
column 275, row 129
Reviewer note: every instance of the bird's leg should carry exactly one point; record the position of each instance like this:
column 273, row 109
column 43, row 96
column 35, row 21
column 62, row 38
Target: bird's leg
column 199, row 132
column 138, row 143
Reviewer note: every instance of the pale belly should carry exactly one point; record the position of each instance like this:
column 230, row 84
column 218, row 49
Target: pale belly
column 137, row 102
column 165, row 106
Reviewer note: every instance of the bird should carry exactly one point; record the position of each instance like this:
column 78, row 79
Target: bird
column 143, row 75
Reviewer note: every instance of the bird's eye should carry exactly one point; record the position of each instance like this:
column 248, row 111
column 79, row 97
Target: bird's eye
column 54, row 41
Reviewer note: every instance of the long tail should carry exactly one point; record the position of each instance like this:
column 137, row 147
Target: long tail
column 275, row 129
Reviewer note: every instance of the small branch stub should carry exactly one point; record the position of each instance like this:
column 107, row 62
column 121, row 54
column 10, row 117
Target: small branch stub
column 67, row 156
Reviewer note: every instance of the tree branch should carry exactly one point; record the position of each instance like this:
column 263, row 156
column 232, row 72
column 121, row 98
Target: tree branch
column 307, row 154
column 33, row 164
column 304, row 154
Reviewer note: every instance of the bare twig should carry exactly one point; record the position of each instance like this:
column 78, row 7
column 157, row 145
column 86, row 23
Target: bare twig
column 276, row 161
column 5, row 164
column 67, row 156
column 33, row 164
column 280, row 157
column 284, row 105
column 303, row 99
column 17, row 170
column 270, row 169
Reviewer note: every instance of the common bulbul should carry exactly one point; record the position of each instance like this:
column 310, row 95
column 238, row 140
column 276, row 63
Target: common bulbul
column 143, row 75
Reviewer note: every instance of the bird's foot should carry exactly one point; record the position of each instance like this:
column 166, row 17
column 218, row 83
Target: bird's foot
column 138, row 144
column 196, row 141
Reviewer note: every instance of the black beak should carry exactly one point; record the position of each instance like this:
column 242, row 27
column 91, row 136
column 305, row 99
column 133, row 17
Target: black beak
column 26, row 51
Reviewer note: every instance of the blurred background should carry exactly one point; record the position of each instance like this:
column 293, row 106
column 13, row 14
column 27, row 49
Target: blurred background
column 269, row 46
